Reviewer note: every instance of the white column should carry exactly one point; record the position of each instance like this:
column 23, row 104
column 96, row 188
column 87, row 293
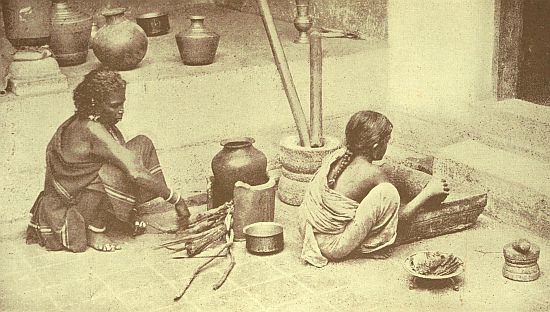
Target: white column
column 441, row 54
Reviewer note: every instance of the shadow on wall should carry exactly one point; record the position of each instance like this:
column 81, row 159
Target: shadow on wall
column 369, row 17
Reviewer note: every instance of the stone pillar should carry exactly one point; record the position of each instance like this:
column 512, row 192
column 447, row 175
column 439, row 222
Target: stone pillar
column 441, row 54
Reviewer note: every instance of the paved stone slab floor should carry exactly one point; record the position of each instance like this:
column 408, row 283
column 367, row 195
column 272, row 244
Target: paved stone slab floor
column 141, row 278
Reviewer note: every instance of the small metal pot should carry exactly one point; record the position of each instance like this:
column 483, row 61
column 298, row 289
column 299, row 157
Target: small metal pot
column 154, row 24
column 264, row 237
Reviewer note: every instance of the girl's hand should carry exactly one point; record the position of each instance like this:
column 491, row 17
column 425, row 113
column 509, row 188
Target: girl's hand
column 183, row 214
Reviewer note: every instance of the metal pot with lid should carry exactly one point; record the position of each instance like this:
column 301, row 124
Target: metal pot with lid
column 521, row 258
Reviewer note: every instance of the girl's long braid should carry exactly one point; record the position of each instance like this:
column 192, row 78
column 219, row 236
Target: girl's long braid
column 364, row 130
column 342, row 165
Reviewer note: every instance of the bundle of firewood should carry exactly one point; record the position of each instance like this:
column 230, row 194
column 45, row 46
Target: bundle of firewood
column 203, row 230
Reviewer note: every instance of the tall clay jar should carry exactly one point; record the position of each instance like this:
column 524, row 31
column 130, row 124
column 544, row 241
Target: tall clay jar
column 197, row 45
column 121, row 44
column 70, row 34
column 27, row 22
column 239, row 160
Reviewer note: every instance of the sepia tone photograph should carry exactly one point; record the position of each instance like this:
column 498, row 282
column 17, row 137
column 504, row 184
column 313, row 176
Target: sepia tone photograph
column 275, row 155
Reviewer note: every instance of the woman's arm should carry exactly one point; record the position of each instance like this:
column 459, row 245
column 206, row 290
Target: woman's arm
column 104, row 146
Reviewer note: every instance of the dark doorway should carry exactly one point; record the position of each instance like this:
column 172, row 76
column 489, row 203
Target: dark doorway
column 534, row 62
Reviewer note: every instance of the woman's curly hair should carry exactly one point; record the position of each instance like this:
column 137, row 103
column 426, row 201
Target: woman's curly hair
column 95, row 87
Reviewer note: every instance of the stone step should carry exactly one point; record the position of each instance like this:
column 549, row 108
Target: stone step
column 513, row 125
column 518, row 186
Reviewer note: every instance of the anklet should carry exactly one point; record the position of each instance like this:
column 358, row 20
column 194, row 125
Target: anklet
column 175, row 199
column 96, row 230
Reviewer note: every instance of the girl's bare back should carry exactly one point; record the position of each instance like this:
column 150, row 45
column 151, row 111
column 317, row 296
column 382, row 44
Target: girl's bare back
column 358, row 179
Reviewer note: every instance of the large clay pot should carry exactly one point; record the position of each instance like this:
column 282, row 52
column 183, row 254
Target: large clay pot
column 121, row 44
column 70, row 34
column 27, row 22
column 299, row 164
column 239, row 160
column 197, row 45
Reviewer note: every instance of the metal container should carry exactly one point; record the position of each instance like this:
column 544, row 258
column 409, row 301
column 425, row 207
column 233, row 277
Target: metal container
column 264, row 237
column 197, row 45
column 154, row 23
column 239, row 160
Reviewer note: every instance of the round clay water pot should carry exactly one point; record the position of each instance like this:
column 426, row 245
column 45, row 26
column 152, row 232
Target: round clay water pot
column 197, row 45
column 121, row 44
column 239, row 160
column 299, row 164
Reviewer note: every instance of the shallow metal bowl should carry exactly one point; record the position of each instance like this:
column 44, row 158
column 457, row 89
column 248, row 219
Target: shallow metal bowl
column 264, row 237
column 419, row 258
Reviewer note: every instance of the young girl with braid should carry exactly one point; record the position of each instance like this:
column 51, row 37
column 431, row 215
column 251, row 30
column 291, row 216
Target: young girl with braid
column 350, row 206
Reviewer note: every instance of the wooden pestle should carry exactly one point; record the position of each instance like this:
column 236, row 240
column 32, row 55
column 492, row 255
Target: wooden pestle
column 284, row 72
column 316, row 85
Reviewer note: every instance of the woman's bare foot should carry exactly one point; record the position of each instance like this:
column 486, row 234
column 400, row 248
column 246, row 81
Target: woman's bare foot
column 99, row 241
column 139, row 227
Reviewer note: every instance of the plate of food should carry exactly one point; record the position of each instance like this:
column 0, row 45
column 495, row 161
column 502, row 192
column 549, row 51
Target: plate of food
column 434, row 265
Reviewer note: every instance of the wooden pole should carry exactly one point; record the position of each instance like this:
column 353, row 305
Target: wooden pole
column 284, row 72
column 316, row 85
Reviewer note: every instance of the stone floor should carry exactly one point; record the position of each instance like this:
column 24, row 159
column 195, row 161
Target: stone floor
column 142, row 278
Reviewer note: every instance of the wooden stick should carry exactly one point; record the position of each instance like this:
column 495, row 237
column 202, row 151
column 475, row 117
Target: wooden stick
column 315, row 87
column 198, row 270
column 190, row 237
column 227, row 270
column 186, row 241
column 197, row 246
column 207, row 214
column 201, row 226
column 284, row 72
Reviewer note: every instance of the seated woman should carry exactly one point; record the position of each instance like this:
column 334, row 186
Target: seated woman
column 93, row 175
column 350, row 206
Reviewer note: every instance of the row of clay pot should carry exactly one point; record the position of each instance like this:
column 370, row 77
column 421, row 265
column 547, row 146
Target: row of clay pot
column 121, row 44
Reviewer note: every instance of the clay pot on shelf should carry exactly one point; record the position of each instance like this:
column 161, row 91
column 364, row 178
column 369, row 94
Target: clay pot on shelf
column 27, row 22
column 121, row 44
column 239, row 160
column 197, row 45
column 70, row 34
column 299, row 163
